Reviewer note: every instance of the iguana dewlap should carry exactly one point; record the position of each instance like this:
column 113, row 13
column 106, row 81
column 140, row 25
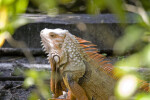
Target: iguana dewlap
column 77, row 66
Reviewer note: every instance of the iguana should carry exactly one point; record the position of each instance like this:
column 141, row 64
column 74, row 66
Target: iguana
column 77, row 66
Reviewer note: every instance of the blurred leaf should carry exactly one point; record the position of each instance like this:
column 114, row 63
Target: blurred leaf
column 21, row 6
column 65, row 1
column 47, row 6
column 29, row 81
column 19, row 22
column 38, row 78
column 33, row 74
column 44, row 89
column 100, row 3
column 132, row 61
column 126, row 87
column 18, row 71
column 2, row 40
column 119, row 72
column 142, row 96
column 34, row 96
column 6, row 2
column 146, row 37
column 116, row 6
column 120, row 57
column 133, row 35
column 145, row 55
column 92, row 7
column 3, row 17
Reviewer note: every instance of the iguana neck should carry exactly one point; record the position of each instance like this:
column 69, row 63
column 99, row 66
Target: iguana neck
column 73, row 51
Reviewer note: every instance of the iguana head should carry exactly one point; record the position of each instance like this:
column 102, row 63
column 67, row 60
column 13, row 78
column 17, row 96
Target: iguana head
column 60, row 43
column 52, row 41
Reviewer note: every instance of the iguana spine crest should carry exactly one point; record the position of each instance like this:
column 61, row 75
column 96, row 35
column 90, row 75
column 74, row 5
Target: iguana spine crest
column 106, row 66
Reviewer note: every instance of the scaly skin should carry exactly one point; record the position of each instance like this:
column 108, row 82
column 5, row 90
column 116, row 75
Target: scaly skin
column 79, row 75
column 78, row 67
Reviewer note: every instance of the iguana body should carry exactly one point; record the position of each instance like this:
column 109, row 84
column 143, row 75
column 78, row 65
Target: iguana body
column 76, row 63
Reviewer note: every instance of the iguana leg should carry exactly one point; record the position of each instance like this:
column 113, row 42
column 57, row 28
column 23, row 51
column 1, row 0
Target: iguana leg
column 76, row 90
column 70, row 96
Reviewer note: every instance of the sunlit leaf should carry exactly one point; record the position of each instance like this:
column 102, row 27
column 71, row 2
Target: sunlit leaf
column 32, row 73
column 142, row 96
column 3, row 17
column 126, row 86
column 21, row 6
column 29, row 81
column 7, row 2
column 2, row 39
column 119, row 71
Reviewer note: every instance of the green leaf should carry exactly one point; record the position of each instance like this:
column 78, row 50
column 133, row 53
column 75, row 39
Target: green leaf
column 145, row 55
column 21, row 6
column 6, row 2
column 34, row 96
column 116, row 6
column 142, row 96
column 32, row 73
column 29, row 81
column 92, row 7
column 132, row 36
column 132, row 61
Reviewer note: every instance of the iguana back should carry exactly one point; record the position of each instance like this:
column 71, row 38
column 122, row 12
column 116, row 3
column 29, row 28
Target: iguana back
column 97, row 80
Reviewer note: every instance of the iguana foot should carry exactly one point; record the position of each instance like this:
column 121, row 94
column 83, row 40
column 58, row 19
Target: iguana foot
column 76, row 90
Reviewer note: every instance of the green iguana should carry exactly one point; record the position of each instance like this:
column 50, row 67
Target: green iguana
column 77, row 66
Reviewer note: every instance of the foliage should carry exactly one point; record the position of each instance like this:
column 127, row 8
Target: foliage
column 46, row 6
column 9, row 9
column 116, row 6
column 37, row 78
column 9, row 21
column 136, row 37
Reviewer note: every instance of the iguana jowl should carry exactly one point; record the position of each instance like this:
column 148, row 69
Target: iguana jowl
column 76, row 65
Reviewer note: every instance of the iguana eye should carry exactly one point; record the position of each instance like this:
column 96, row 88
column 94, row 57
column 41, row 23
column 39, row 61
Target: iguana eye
column 52, row 35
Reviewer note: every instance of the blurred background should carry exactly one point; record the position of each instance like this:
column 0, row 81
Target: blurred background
column 120, row 28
